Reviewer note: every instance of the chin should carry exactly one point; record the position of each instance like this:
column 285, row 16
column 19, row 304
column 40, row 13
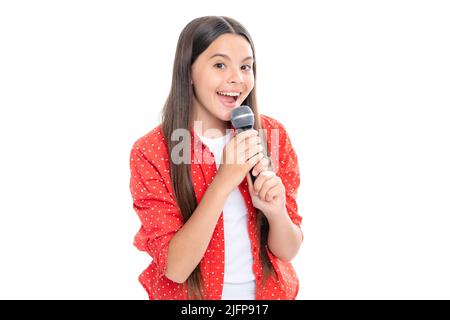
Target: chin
column 225, row 116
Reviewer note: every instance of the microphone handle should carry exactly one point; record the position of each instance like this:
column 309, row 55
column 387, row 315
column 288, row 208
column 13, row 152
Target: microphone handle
column 252, row 176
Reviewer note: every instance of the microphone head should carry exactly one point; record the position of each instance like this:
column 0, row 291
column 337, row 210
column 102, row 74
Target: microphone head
column 242, row 118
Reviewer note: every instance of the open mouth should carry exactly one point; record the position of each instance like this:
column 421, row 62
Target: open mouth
column 234, row 95
column 228, row 97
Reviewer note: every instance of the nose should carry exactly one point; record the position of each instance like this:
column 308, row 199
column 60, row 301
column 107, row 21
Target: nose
column 235, row 76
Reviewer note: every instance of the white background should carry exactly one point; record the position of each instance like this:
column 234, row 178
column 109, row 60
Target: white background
column 363, row 88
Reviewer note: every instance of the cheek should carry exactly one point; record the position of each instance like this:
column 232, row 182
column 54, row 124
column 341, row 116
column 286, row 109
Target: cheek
column 250, row 83
column 209, row 85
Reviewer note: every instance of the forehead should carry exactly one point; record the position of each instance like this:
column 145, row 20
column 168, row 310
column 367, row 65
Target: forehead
column 233, row 45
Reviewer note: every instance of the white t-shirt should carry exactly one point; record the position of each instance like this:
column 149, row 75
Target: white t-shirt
column 239, row 280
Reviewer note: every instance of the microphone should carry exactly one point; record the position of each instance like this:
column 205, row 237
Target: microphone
column 242, row 119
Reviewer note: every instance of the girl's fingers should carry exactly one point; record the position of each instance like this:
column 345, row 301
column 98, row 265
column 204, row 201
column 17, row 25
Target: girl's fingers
column 253, row 151
column 267, row 185
column 262, row 177
column 250, row 142
column 262, row 165
column 274, row 192
column 254, row 160
column 240, row 137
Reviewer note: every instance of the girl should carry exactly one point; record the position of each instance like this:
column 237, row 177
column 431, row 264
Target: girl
column 211, row 232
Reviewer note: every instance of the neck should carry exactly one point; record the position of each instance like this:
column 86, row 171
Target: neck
column 209, row 126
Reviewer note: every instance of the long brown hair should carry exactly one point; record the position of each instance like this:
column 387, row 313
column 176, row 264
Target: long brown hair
column 178, row 112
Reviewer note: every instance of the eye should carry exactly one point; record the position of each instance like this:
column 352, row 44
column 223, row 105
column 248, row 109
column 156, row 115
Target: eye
column 247, row 66
column 218, row 65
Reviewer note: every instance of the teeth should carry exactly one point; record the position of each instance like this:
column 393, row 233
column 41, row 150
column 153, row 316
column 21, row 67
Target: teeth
column 231, row 94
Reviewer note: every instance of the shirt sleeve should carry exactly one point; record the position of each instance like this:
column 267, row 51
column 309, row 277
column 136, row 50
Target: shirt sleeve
column 288, row 171
column 156, row 208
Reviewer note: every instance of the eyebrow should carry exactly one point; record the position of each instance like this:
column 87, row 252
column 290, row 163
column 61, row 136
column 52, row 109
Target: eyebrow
column 227, row 57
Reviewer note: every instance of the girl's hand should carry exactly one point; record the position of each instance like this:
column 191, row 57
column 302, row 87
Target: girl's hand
column 241, row 154
column 261, row 166
column 268, row 193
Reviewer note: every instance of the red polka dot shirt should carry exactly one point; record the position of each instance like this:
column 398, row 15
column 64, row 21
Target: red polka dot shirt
column 153, row 201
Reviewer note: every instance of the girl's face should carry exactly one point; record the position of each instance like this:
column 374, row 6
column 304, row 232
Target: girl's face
column 222, row 79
